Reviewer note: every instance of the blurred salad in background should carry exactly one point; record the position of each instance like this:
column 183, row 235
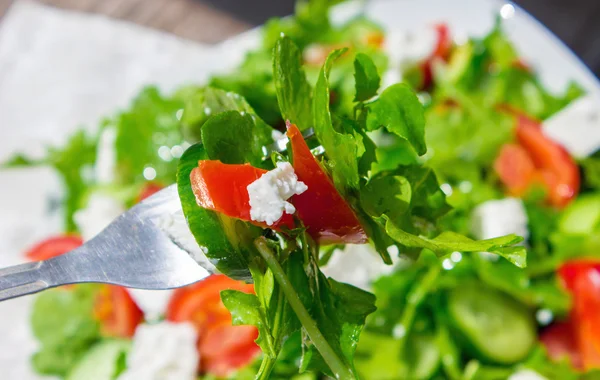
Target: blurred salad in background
column 439, row 176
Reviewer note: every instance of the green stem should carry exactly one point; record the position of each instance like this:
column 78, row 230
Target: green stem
column 264, row 372
column 337, row 365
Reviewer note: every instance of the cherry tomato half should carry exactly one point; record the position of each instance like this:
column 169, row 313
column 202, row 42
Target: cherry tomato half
column 54, row 246
column 117, row 312
column 326, row 214
column 223, row 348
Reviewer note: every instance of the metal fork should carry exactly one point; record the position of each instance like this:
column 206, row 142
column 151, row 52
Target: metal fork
column 148, row 247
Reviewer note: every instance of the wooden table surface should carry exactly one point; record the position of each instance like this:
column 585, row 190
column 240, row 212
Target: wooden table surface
column 186, row 18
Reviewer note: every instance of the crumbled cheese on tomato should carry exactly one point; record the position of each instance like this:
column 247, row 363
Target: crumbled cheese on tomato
column 269, row 193
column 526, row 374
column 163, row 351
column 100, row 211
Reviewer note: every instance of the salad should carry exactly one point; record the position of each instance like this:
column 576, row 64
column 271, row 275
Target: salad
column 362, row 228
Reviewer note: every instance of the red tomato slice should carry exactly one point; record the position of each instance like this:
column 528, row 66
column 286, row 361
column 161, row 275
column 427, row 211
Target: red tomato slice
column 537, row 159
column 224, row 188
column 582, row 279
column 442, row 51
column 329, row 218
column 223, row 348
column 515, row 169
column 54, row 246
column 559, row 171
column 117, row 312
column 149, row 189
column 560, row 342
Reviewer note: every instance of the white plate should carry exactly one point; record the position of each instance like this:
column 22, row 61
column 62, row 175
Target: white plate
column 24, row 216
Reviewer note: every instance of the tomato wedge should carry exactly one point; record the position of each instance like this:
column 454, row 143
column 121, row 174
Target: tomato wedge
column 117, row 312
column 560, row 341
column 582, row 279
column 553, row 167
column 224, row 188
column 149, row 189
column 329, row 218
column 54, row 246
column 442, row 51
column 223, row 348
column 515, row 168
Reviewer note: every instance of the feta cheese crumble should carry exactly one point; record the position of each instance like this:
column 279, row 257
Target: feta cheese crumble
column 577, row 127
column 269, row 193
column 358, row 265
column 163, row 351
column 526, row 374
column 501, row 217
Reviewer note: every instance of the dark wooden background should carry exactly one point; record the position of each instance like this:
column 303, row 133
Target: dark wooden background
column 574, row 21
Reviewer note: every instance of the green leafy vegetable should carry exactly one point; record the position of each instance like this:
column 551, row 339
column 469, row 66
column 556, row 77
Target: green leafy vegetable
column 62, row 321
column 366, row 78
column 341, row 149
column 448, row 242
column 294, row 93
column 201, row 103
column 400, row 112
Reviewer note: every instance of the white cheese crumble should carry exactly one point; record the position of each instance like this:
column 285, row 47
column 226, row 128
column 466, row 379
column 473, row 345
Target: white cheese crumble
column 269, row 193
column 100, row 211
column 163, row 351
column 577, row 127
column 106, row 156
column 497, row 218
column 501, row 217
column 526, row 374
column 358, row 265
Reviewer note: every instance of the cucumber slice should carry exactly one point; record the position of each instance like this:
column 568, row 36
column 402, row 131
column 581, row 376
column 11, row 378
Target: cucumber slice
column 582, row 216
column 496, row 327
column 100, row 362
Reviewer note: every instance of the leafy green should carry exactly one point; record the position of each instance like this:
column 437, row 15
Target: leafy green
column 149, row 124
column 339, row 310
column 233, row 137
column 227, row 241
column 62, row 321
column 203, row 102
column 366, row 78
column 400, row 112
column 448, row 242
column 294, row 93
column 591, row 171
column 341, row 149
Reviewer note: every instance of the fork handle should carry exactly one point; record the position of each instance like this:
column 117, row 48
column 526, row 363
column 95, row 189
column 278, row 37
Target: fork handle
column 23, row 279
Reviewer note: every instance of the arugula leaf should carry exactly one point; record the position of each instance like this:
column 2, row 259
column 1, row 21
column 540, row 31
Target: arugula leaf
column 246, row 309
column 233, row 138
column 448, row 242
column 340, row 311
column 150, row 123
column 294, row 93
column 399, row 111
column 366, row 78
column 226, row 241
column 204, row 102
column 62, row 321
column 341, row 149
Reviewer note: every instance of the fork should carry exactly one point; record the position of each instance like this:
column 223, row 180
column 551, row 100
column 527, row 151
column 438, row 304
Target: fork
column 147, row 247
